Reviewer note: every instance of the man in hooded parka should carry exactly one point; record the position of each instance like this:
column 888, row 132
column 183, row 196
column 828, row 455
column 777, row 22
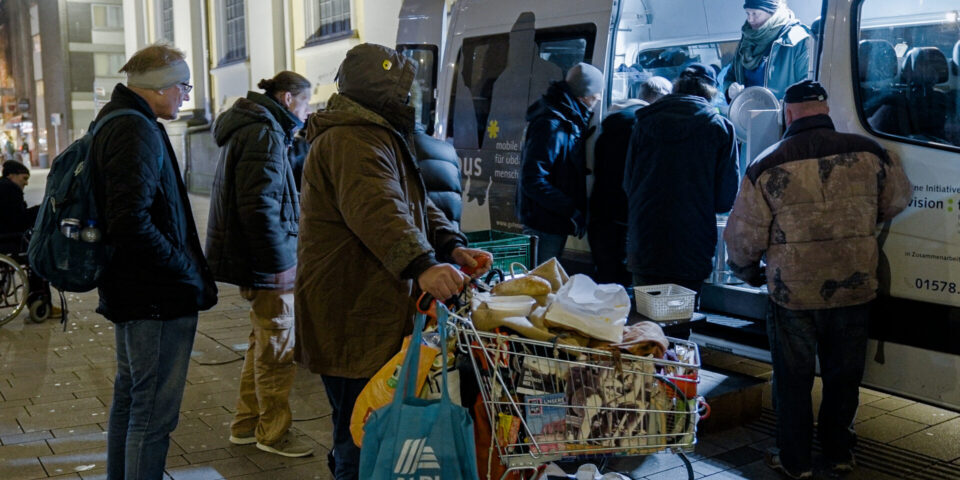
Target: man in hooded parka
column 370, row 238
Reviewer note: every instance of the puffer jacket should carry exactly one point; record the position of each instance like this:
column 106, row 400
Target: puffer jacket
column 552, row 192
column 681, row 171
column 811, row 204
column 254, row 206
column 157, row 270
column 787, row 60
column 367, row 228
column 440, row 167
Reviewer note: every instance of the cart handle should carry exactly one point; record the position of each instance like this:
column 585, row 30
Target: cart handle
column 703, row 408
column 523, row 268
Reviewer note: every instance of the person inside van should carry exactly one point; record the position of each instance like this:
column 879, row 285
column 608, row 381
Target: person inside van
column 552, row 192
column 681, row 170
column 773, row 50
column 607, row 222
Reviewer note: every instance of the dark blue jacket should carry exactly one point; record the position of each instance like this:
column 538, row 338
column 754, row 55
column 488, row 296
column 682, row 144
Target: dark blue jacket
column 254, row 205
column 681, row 171
column 552, row 193
column 157, row 270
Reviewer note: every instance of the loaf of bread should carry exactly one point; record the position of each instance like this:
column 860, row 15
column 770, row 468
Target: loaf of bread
column 527, row 285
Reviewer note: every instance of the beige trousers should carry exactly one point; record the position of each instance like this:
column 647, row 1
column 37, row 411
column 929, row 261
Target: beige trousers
column 268, row 369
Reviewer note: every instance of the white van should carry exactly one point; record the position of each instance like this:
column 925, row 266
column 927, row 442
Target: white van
column 890, row 67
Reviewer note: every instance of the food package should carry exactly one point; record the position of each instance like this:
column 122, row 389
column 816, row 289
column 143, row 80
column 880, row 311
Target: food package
column 597, row 311
column 526, row 285
column 380, row 389
column 553, row 272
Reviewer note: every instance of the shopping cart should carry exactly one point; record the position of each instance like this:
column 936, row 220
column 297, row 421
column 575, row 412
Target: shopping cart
column 550, row 401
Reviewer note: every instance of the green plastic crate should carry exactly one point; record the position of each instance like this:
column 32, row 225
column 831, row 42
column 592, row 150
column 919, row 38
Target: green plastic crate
column 506, row 247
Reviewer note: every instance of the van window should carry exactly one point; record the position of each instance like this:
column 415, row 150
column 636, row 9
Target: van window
column 633, row 67
column 906, row 71
column 423, row 93
column 481, row 60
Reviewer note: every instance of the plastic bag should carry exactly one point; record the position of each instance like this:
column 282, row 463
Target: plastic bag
column 380, row 389
column 598, row 311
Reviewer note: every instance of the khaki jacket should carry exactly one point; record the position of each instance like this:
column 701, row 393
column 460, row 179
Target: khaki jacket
column 811, row 204
column 365, row 219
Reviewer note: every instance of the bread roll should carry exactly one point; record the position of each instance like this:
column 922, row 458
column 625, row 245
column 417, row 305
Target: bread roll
column 527, row 285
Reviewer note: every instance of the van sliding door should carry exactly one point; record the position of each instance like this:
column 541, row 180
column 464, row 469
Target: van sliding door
column 496, row 78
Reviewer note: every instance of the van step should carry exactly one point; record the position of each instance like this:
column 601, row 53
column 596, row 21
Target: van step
column 734, row 398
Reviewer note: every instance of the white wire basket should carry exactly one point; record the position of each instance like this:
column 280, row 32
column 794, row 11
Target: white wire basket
column 664, row 302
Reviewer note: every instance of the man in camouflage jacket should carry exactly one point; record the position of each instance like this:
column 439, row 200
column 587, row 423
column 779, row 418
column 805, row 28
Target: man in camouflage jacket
column 811, row 205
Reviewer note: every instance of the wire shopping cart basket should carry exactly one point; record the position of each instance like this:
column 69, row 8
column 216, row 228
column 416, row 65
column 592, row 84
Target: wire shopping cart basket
column 551, row 401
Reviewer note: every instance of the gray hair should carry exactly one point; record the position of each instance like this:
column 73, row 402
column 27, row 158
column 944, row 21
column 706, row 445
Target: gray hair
column 653, row 88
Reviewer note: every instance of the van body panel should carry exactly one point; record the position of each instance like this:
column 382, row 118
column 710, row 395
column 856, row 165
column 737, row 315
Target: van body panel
column 497, row 34
column 422, row 22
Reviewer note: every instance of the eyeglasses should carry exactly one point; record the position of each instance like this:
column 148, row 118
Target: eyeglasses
column 185, row 88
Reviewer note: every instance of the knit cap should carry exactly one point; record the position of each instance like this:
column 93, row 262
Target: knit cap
column 768, row 6
column 584, row 80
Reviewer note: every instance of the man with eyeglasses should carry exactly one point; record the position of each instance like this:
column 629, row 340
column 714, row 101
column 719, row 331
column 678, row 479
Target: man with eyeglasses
column 157, row 279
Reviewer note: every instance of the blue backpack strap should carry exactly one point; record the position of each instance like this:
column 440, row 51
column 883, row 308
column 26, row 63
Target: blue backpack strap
column 117, row 113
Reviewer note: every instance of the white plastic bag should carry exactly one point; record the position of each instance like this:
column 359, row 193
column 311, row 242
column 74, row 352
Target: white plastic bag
column 598, row 311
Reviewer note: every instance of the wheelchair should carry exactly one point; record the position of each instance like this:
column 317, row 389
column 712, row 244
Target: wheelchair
column 15, row 294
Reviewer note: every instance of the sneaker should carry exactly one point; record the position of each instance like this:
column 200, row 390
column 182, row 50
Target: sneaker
column 244, row 439
column 288, row 446
column 772, row 459
column 842, row 468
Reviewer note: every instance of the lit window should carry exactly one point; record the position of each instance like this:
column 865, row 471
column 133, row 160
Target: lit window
column 107, row 17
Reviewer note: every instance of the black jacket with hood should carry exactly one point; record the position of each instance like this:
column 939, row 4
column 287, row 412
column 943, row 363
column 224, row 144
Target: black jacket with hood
column 552, row 193
column 681, row 171
column 157, row 270
column 254, row 206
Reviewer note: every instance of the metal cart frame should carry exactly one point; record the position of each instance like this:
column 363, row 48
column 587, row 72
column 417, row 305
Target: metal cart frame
column 547, row 401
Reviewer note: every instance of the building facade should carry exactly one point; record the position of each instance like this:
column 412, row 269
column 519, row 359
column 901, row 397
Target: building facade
column 63, row 58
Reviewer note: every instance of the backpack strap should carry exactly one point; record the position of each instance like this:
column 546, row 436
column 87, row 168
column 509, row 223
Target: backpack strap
column 118, row 113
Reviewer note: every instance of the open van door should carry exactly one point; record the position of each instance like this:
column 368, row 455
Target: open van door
column 420, row 34
column 500, row 57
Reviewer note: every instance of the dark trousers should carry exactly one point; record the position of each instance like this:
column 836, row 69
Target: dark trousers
column 549, row 245
column 342, row 393
column 608, row 246
column 838, row 337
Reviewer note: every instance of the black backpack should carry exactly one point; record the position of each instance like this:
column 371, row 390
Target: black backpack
column 57, row 252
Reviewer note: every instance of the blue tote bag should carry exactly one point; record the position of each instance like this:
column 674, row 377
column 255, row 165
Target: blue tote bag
column 412, row 438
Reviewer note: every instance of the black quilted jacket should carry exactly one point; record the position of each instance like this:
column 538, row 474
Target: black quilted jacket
column 254, row 206
column 157, row 270
column 440, row 169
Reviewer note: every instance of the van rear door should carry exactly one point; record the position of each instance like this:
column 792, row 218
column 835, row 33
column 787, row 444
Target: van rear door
column 504, row 55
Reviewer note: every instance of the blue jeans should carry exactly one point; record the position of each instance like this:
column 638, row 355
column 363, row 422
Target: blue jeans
column 342, row 393
column 838, row 336
column 550, row 245
column 152, row 361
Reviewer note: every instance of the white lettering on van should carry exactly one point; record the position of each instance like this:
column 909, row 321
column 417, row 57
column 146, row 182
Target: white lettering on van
column 470, row 166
